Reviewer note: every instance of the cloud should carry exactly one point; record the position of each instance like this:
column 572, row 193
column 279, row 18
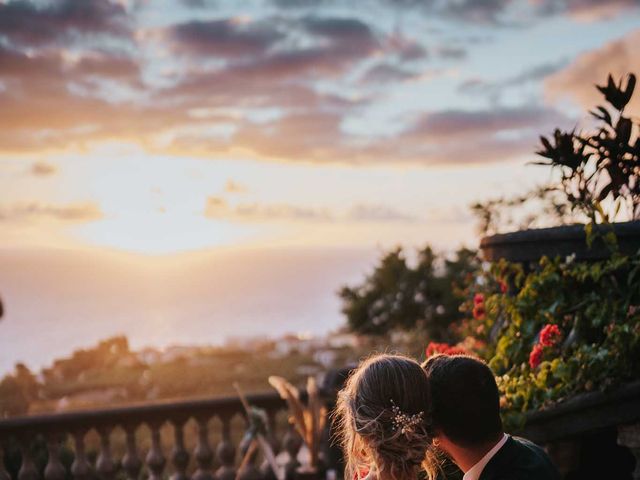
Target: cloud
column 72, row 213
column 407, row 49
column 586, row 10
column 280, row 88
column 452, row 52
column 487, row 12
column 463, row 137
column 441, row 137
column 474, row 11
column 51, row 101
column 43, row 169
column 303, row 125
column 577, row 81
column 26, row 23
column 198, row 3
column 512, row 14
column 527, row 76
column 378, row 213
column 233, row 187
column 455, row 124
column 342, row 33
column 229, row 38
column 507, row 13
column 386, row 73
column 218, row 208
column 310, row 136
column 237, row 38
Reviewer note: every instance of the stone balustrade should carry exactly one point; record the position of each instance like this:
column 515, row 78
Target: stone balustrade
column 206, row 461
column 577, row 433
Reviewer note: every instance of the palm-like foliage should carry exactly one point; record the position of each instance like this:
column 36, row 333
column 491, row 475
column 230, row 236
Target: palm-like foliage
column 308, row 420
column 603, row 165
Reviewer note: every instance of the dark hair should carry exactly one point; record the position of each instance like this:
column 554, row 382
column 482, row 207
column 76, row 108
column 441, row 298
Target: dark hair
column 465, row 402
column 366, row 415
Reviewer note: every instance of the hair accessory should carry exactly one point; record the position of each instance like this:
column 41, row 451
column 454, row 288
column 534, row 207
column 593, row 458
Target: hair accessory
column 403, row 421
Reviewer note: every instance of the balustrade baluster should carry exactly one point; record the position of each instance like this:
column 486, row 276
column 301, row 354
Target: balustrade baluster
column 267, row 471
column 28, row 470
column 292, row 443
column 104, row 463
column 155, row 460
column 249, row 471
column 80, row 467
column 179, row 454
column 203, row 453
column 54, row 469
column 4, row 475
column 273, row 437
column 131, row 461
column 226, row 453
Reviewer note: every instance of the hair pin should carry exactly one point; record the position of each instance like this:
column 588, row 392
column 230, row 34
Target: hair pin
column 403, row 421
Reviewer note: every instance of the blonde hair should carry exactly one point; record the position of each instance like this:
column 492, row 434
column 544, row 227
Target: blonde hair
column 367, row 420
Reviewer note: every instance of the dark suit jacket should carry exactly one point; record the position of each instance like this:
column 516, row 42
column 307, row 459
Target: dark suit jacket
column 519, row 459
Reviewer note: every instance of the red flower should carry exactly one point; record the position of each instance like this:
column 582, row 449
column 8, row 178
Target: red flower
column 478, row 299
column 478, row 312
column 361, row 473
column 550, row 335
column 435, row 347
column 444, row 348
column 503, row 286
column 455, row 351
column 535, row 357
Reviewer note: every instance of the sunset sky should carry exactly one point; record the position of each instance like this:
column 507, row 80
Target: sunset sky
column 165, row 127
column 160, row 127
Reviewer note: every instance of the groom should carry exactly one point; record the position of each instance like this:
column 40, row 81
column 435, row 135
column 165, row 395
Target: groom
column 465, row 406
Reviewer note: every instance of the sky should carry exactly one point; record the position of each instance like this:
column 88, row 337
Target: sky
column 159, row 129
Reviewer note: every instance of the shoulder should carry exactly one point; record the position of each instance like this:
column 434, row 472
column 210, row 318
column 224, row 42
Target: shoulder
column 520, row 459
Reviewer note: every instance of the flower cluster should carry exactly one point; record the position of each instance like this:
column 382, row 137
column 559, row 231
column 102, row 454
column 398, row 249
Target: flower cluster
column 550, row 336
column 535, row 357
column 403, row 421
column 434, row 348
column 478, row 306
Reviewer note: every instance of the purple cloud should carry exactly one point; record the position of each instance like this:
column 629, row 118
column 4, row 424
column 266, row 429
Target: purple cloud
column 24, row 23
column 224, row 37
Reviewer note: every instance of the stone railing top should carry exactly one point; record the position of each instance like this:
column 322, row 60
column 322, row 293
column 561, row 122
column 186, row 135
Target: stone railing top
column 139, row 413
column 587, row 400
column 584, row 413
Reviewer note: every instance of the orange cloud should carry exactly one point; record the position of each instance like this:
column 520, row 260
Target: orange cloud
column 577, row 81
column 73, row 213
column 234, row 187
column 594, row 10
column 241, row 88
column 219, row 208
column 43, row 169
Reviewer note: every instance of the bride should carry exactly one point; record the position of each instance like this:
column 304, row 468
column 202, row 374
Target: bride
column 385, row 430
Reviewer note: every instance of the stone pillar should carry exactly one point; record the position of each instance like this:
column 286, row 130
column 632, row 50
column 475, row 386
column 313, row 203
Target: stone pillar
column 565, row 455
column 629, row 436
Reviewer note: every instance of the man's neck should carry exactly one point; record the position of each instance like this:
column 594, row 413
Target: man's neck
column 466, row 458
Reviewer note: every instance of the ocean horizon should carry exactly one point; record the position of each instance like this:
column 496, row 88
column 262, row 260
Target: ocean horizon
column 57, row 301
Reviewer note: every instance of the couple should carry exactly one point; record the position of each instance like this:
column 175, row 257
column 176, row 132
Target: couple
column 397, row 417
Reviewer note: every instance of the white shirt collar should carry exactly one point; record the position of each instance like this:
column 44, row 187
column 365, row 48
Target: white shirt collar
column 474, row 472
